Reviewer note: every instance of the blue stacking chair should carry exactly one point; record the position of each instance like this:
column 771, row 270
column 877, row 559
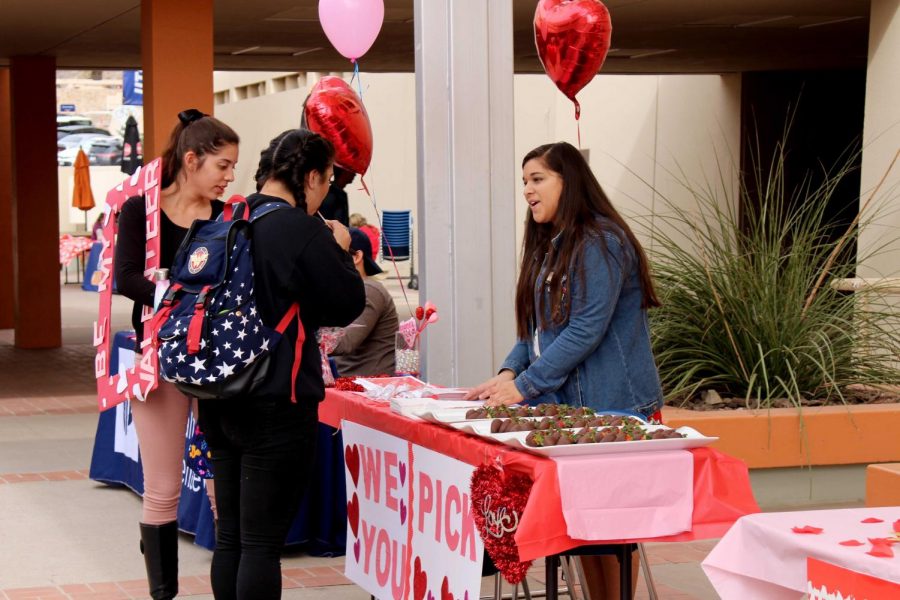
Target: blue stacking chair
column 397, row 240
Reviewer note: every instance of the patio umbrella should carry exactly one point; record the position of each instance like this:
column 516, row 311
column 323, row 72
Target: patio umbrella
column 82, row 196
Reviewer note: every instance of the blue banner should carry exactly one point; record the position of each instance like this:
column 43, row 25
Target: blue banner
column 133, row 88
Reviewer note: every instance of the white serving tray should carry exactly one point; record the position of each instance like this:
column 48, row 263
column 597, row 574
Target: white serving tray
column 694, row 439
column 483, row 426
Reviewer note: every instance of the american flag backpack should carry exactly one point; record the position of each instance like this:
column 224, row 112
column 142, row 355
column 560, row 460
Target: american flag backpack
column 208, row 333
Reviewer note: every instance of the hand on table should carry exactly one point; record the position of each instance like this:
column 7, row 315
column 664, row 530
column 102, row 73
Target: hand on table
column 504, row 394
column 483, row 390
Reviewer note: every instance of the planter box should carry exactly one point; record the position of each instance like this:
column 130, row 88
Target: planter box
column 787, row 437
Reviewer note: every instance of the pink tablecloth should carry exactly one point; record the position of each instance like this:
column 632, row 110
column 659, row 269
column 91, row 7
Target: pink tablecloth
column 720, row 484
column 761, row 557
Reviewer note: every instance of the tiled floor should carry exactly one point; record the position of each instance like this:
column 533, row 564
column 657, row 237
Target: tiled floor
column 64, row 536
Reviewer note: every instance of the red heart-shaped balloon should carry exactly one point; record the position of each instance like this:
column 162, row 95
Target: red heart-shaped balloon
column 334, row 111
column 572, row 39
column 498, row 501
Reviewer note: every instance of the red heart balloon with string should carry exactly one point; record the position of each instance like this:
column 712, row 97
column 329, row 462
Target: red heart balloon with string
column 498, row 501
column 334, row 111
column 572, row 39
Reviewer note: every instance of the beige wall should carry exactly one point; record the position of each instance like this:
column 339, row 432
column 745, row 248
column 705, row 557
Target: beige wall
column 638, row 129
column 881, row 140
column 391, row 104
column 103, row 179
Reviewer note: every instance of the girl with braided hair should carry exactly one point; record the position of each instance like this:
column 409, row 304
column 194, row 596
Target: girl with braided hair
column 263, row 446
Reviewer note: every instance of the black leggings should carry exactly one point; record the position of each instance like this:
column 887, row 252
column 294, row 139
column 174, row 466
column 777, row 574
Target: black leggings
column 263, row 451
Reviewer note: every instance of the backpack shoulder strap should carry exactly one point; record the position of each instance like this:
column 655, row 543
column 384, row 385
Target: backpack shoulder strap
column 264, row 209
column 235, row 208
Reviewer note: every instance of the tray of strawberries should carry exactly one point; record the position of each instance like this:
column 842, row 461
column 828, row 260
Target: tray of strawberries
column 611, row 439
column 487, row 413
column 513, row 424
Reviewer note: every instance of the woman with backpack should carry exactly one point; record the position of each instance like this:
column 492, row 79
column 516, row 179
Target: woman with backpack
column 198, row 164
column 263, row 443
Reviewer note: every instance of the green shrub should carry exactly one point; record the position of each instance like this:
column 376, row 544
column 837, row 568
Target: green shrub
column 750, row 306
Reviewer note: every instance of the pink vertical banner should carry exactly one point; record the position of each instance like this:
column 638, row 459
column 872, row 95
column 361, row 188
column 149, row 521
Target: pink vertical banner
column 137, row 382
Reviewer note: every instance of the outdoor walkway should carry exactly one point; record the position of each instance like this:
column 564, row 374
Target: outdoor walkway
column 64, row 536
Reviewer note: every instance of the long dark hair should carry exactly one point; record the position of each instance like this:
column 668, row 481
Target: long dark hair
column 197, row 132
column 290, row 157
column 581, row 201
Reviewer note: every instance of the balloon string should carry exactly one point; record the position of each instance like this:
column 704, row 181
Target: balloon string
column 578, row 121
column 388, row 244
column 357, row 77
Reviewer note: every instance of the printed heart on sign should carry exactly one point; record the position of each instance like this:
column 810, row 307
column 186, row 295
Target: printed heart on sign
column 498, row 501
column 445, row 590
column 353, row 514
column 356, row 550
column 351, row 459
column 402, row 512
column 420, row 580
column 402, row 473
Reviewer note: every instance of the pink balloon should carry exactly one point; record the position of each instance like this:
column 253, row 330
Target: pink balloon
column 351, row 25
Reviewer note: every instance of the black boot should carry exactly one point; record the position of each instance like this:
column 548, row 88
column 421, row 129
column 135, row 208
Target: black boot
column 159, row 545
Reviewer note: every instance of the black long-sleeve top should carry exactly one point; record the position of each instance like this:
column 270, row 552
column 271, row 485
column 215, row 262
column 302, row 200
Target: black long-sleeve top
column 296, row 259
column 130, row 248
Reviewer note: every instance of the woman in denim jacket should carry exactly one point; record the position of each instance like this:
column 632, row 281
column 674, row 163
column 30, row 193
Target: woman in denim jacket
column 581, row 308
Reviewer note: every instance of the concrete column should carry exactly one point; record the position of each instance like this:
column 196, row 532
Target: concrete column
column 466, row 185
column 177, row 57
column 7, row 303
column 881, row 140
column 35, row 203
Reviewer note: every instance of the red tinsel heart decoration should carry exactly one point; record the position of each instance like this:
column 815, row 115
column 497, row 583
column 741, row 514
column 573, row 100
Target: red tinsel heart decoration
column 498, row 501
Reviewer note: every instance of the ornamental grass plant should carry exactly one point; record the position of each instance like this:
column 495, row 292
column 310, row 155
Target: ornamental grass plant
column 751, row 305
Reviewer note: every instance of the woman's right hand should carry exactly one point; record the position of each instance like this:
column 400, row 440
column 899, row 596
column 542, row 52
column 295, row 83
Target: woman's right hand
column 341, row 234
column 484, row 390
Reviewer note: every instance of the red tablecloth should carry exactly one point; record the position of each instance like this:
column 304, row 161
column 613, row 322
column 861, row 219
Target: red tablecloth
column 71, row 246
column 721, row 487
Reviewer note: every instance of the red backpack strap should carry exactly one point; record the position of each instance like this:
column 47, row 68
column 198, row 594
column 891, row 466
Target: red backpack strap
column 231, row 204
column 195, row 327
column 293, row 311
column 162, row 314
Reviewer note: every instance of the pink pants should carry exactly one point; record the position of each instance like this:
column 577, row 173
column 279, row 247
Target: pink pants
column 161, row 422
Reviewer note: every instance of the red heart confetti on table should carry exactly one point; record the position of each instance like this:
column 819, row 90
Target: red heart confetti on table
column 872, row 520
column 881, row 547
column 897, row 526
column 851, row 543
column 807, row 529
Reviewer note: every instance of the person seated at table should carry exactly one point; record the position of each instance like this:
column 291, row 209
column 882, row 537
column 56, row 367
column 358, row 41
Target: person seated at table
column 582, row 297
column 263, row 445
column 367, row 347
column 373, row 233
column 198, row 164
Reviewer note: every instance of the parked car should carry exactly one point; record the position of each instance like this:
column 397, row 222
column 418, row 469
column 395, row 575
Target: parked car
column 67, row 130
column 70, row 119
column 100, row 149
column 105, row 151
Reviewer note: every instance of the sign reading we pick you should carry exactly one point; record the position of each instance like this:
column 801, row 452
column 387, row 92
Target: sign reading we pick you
column 410, row 531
